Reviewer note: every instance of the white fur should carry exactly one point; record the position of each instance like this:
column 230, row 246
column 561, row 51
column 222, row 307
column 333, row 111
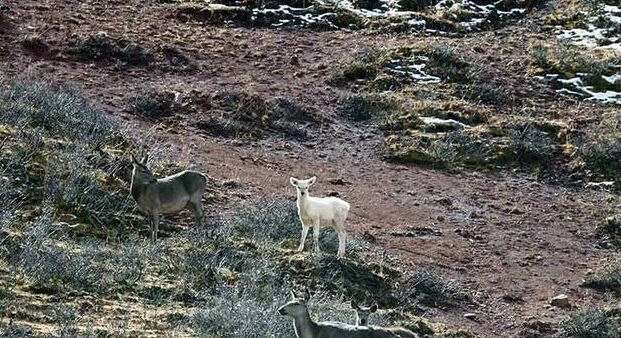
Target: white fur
column 318, row 212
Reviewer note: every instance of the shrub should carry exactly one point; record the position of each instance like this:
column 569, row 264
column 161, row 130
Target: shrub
column 609, row 231
column 228, row 312
column 266, row 220
column 34, row 43
column 61, row 112
column 527, row 145
column 606, row 279
column 431, row 288
column 60, row 155
column 53, row 262
column 363, row 66
column 103, row 48
column 568, row 61
column 600, row 153
column 444, row 62
column 360, row 107
column 492, row 94
column 249, row 115
column 592, row 323
column 416, row 5
column 151, row 104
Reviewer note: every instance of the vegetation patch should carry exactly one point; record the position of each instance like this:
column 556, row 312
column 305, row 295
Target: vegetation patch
column 428, row 287
column 151, row 104
column 390, row 69
column 609, row 231
column 591, row 76
column 248, row 115
column 592, row 323
column 360, row 107
column 102, row 48
column 607, row 279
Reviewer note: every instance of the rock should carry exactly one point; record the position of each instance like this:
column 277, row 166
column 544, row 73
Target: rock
column 295, row 61
column 561, row 301
column 440, row 125
column 337, row 181
column 333, row 194
column 471, row 316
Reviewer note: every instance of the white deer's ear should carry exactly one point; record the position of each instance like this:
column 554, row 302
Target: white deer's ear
column 292, row 294
column 354, row 305
column 373, row 308
column 293, row 181
column 145, row 159
column 133, row 159
column 312, row 180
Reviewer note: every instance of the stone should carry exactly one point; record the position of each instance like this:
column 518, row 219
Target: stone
column 471, row 316
column 561, row 301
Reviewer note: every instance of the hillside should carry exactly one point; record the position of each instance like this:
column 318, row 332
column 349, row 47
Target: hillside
column 478, row 143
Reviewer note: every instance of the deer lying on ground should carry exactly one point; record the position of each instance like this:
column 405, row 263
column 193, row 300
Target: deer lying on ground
column 362, row 313
column 166, row 195
column 317, row 211
column 305, row 327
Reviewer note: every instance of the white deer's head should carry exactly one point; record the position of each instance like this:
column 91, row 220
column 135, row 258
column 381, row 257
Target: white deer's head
column 302, row 185
column 296, row 307
column 141, row 173
column 362, row 313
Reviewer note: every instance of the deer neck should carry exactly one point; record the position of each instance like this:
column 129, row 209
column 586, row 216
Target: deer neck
column 138, row 190
column 304, row 326
column 303, row 200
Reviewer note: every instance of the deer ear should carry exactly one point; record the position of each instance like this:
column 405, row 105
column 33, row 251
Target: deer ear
column 373, row 308
column 293, row 181
column 133, row 159
column 292, row 294
column 312, row 180
column 354, row 305
column 307, row 295
column 145, row 159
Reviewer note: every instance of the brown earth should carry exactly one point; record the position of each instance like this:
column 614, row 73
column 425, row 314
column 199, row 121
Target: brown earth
column 513, row 241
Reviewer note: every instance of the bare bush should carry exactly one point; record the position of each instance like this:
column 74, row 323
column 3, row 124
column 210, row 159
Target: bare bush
column 59, row 112
column 227, row 314
column 269, row 219
column 431, row 288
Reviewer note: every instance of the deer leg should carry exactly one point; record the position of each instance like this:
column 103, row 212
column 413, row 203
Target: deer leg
column 198, row 212
column 342, row 237
column 151, row 224
column 303, row 238
column 316, row 227
column 156, row 224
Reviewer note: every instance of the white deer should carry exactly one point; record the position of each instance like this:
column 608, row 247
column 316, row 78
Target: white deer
column 166, row 195
column 305, row 327
column 362, row 313
column 317, row 211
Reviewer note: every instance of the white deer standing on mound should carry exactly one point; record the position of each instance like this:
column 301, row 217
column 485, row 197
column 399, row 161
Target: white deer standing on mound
column 306, row 327
column 317, row 211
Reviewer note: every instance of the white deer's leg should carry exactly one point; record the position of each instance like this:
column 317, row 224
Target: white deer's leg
column 342, row 242
column 303, row 238
column 156, row 224
column 316, row 227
